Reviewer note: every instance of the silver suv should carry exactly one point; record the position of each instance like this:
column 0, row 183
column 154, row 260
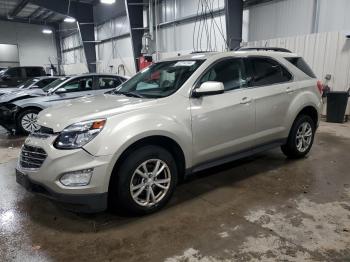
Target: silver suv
column 129, row 148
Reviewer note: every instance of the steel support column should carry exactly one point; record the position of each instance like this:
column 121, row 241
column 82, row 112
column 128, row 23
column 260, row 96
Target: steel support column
column 234, row 21
column 134, row 10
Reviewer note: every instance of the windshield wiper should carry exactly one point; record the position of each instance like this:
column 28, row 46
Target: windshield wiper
column 132, row 94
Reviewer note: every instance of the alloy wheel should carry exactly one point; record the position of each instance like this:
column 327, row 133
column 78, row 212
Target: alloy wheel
column 150, row 182
column 304, row 137
column 29, row 122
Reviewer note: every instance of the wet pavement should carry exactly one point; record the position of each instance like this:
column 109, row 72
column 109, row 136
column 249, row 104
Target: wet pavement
column 263, row 208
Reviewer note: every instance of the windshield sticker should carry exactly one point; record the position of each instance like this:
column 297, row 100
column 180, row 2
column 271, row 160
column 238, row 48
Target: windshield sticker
column 185, row 63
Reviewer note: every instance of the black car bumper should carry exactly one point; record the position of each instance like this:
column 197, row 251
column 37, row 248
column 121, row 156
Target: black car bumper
column 91, row 203
column 8, row 116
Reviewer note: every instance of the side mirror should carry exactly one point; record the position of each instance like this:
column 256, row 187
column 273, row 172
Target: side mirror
column 61, row 90
column 209, row 88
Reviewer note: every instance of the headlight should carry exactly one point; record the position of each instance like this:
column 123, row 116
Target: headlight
column 79, row 134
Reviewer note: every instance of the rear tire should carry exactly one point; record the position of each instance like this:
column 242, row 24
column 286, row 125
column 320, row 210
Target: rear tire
column 26, row 121
column 301, row 137
column 144, row 182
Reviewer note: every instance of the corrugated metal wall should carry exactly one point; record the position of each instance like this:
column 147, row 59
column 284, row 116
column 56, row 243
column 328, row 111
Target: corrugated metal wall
column 73, row 56
column 326, row 53
column 115, row 53
column 282, row 18
column 185, row 37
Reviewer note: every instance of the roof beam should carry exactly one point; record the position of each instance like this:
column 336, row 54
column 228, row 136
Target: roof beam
column 42, row 15
column 50, row 16
column 35, row 13
column 18, row 8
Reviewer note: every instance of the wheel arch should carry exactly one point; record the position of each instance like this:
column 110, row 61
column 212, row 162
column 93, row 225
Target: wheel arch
column 163, row 141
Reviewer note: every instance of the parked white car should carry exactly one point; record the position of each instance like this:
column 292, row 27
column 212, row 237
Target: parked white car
column 129, row 148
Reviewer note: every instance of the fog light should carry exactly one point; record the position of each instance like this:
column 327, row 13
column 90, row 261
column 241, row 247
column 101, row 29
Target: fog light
column 77, row 178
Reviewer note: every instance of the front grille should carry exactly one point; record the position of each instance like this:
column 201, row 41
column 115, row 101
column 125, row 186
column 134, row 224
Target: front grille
column 32, row 157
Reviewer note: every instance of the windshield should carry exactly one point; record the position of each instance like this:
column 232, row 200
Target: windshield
column 54, row 84
column 160, row 80
column 28, row 83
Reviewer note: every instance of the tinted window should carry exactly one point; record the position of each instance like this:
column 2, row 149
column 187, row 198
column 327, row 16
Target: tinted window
column 300, row 63
column 107, row 82
column 45, row 82
column 14, row 72
column 229, row 72
column 79, row 84
column 265, row 71
column 34, row 71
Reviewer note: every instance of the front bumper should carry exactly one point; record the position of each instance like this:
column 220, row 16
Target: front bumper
column 89, row 203
column 45, row 180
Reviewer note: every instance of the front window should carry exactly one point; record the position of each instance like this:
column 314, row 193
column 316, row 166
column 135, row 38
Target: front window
column 55, row 83
column 161, row 79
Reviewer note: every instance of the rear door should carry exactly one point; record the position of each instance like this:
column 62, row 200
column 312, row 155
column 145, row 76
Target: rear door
column 34, row 72
column 273, row 87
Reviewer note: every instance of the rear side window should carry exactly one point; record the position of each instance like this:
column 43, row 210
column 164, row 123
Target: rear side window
column 300, row 63
column 265, row 71
column 107, row 82
column 34, row 71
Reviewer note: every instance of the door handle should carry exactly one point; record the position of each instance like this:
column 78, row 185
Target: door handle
column 289, row 90
column 246, row 100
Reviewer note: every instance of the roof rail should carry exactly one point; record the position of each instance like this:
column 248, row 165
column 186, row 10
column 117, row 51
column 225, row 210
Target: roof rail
column 276, row 49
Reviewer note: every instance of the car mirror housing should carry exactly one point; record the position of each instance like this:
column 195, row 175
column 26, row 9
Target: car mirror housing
column 61, row 90
column 209, row 88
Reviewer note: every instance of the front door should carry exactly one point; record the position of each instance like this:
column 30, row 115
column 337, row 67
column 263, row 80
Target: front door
column 223, row 124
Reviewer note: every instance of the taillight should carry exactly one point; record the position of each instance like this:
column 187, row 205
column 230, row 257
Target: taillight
column 320, row 86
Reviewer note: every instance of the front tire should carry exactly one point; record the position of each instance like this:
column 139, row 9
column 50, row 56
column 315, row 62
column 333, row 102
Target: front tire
column 145, row 180
column 301, row 137
column 26, row 121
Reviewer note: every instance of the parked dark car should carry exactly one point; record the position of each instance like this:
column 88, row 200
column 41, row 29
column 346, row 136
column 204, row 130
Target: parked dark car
column 36, row 82
column 14, row 76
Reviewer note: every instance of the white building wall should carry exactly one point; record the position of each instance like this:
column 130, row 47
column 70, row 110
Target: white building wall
column 283, row 18
column 34, row 47
column 185, row 38
column 334, row 15
column 280, row 19
column 115, row 55
column 73, row 56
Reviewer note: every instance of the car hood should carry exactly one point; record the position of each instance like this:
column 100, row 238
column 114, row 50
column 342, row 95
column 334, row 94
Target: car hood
column 92, row 107
column 21, row 94
column 8, row 90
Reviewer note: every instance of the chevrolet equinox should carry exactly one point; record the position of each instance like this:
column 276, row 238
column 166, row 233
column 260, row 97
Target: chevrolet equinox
column 129, row 148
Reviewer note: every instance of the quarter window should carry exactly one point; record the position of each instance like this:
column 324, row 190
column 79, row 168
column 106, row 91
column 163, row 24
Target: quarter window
column 229, row 72
column 265, row 71
column 108, row 82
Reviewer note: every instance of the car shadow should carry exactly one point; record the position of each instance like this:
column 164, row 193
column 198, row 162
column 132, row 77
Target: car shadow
column 51, row 214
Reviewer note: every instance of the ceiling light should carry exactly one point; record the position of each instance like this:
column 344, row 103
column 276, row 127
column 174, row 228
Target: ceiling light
column 108, row 2
column 47, row 31
column 69, row 19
